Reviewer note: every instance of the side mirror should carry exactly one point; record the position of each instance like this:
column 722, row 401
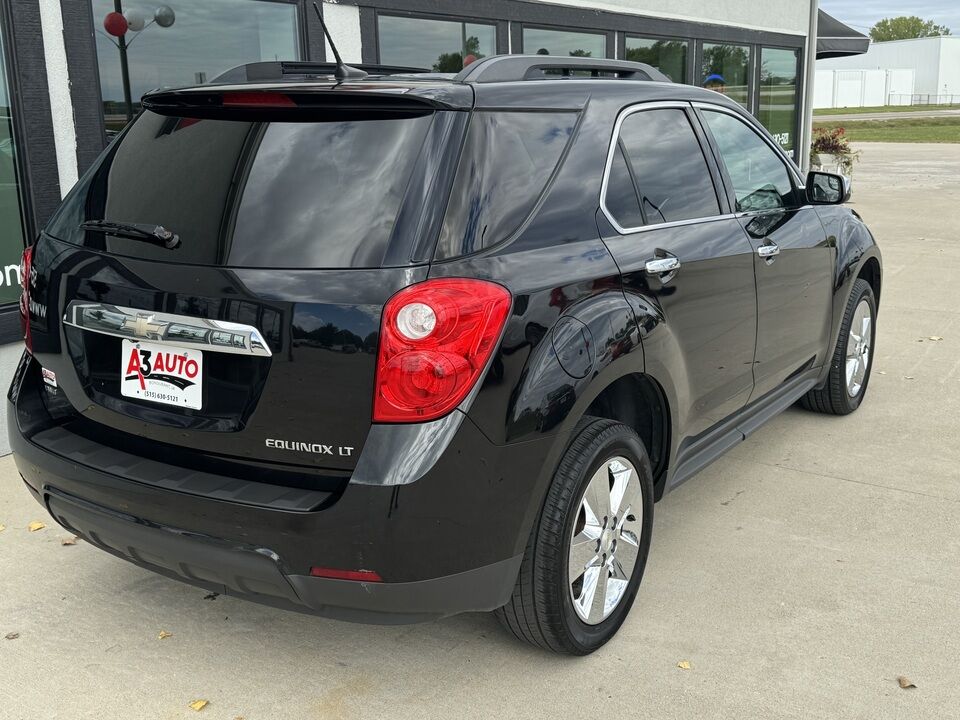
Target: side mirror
column 827, row 188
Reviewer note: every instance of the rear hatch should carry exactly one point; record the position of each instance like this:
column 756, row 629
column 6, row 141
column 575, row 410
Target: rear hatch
column 230, row 312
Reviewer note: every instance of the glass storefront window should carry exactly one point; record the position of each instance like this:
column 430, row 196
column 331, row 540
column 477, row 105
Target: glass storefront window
column 205, row 39
column 778, row 94
column 437, row 45
column 564, row 43
column 11, row 219
column 726, row 69
column 668, row 56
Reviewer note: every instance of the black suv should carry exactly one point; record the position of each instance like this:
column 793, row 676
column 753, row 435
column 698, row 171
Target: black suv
column 396, row 347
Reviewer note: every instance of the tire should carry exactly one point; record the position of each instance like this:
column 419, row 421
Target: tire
column 543, row 610
column 837, row 396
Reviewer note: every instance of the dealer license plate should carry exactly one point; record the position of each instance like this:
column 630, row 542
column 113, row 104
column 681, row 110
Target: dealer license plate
column 162, row 374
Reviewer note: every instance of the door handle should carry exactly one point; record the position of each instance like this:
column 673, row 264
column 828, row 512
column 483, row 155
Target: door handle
column 768, row 251
column 662, row 266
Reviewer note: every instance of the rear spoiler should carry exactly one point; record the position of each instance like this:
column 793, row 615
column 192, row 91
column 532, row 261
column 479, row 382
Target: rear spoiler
column 300, row 101
column 275, row 71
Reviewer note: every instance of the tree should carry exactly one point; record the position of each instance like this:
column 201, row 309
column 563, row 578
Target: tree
column 906, row 28
column 453, row 62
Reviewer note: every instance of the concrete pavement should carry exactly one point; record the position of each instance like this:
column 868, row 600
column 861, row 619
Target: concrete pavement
column 800, row 575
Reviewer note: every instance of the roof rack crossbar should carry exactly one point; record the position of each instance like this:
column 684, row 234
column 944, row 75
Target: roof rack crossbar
column 515, row 68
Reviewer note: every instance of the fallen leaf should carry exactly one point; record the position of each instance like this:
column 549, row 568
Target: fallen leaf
column 935, row 338
column 684, row 664
column 2, row 528
column 68, row 541
column 35, row 525
column 198, row 705
column 211, row 596
column 905, row 682
column 163, row 635
column 11, row 636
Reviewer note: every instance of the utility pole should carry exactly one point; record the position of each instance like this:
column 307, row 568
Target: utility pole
column 124, row 67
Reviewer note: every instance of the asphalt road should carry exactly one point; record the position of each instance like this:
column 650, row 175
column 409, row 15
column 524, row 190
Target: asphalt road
column 800, row 575
column 906, row 115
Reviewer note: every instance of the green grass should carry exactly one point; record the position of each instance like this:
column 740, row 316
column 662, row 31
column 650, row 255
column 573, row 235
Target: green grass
column 882, row 109
column 915, row 130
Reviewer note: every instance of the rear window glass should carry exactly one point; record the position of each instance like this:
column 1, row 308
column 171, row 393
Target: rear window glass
column 507, row 161
column 251, row 194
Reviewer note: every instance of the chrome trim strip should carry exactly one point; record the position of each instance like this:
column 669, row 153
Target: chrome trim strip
column 205, row 334
column 671, row 105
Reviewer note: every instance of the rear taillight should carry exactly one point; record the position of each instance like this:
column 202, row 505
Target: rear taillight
column 435, row 340
column 26, row 263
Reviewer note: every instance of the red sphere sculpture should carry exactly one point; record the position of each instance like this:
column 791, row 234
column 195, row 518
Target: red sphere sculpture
column 115, row 24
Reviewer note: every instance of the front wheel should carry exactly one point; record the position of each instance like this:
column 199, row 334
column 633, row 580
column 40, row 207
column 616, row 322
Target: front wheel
column 586, row 555
column 853, row 358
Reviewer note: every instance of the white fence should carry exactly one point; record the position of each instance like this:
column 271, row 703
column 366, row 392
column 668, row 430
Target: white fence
column 923, row 99
column 860, row 88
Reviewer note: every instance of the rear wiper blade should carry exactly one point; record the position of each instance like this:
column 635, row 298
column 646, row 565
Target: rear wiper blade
column 156, row 234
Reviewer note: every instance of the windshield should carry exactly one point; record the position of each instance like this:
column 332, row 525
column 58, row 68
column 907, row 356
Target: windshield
column 250, row 194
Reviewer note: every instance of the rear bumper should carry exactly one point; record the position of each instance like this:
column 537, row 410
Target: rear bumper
column 451, row 542
column 255, row 573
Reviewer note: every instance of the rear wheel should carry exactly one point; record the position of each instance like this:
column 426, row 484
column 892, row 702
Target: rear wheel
column 853, row 358
column 586, row 555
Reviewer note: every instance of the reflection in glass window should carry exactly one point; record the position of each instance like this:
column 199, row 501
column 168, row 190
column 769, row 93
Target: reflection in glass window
column 778, row 94
column 671, row 173
column 726, row 69
column 760, row 179
column 506, row 163
column 564, row 43
column 11, row 224
column 205, row 39
column 437, row 45
column 668, row 56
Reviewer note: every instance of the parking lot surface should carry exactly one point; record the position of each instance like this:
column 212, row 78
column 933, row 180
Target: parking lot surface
column 799, row 576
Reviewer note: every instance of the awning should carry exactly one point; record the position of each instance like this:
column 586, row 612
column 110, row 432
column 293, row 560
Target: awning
column 834, row 39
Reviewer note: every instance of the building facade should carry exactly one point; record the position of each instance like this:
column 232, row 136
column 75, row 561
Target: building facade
column 72, row 71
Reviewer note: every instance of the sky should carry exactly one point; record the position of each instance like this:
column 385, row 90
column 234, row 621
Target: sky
column 862, row 14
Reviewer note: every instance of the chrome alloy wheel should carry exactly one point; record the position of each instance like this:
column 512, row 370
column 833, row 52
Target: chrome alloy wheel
column 858, row 348
column 606, row 540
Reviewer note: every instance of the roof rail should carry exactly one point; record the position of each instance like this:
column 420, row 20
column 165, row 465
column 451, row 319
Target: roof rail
column 284, row 69
column 513, row 68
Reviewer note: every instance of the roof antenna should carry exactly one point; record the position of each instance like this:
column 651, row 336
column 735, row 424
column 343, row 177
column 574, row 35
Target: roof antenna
column 343, row 71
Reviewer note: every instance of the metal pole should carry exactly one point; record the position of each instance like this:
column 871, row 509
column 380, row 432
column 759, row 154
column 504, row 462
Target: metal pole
column 124, row 68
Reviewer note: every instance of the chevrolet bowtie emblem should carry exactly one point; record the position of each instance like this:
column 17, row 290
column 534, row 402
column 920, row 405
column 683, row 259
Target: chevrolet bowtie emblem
column 144, row 326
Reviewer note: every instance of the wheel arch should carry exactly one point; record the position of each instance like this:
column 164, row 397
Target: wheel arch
column 638, row 401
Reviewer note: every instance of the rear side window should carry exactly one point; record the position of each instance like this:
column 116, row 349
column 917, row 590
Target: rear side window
column 251, row 194
column 664, row 158
column 507, row 160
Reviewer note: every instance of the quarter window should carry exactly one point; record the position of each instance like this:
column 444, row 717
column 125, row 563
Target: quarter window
column 663, row 156
column 760, row 178
column 507, row 161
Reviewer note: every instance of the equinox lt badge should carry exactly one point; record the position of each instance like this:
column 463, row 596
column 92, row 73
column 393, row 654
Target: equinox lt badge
column 317, row 448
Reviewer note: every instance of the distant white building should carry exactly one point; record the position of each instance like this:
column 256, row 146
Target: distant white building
column 898, row 72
